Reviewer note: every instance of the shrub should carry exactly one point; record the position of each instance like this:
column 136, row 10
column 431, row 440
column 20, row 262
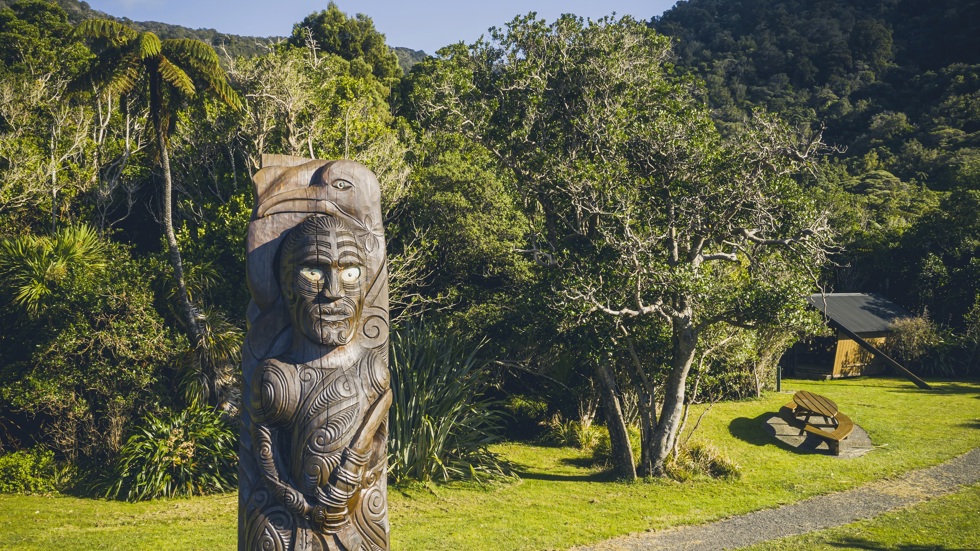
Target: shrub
column 29, row 471
column 700, row 459
column 577, row 433
column 193, row 452
column 440, row 422
column 917, row 343
column 526, row 415
column 82, row 350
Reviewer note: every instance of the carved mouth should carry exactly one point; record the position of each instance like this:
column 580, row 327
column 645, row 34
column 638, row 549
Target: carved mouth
column 333, row 318
column 329, row 315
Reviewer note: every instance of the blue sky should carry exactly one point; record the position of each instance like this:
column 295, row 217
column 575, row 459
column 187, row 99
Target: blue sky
column 417, row 25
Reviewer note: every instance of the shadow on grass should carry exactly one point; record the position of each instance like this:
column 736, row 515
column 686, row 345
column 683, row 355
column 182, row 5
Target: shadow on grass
column 759, row 432
column 859, row 543
column 529, row 473
column 604, row 476
column 947, row 389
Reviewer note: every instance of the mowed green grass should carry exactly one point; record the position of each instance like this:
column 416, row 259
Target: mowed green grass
column 950, row 523
column 561, row 501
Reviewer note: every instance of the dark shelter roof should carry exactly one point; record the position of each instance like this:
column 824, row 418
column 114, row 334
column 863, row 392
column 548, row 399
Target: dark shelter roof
column 859, row 312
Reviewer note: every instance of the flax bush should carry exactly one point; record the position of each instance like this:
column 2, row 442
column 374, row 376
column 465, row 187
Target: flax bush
column 193, row 452
column 441, row 420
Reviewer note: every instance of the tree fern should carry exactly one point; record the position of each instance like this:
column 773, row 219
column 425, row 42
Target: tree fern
column 167, row 71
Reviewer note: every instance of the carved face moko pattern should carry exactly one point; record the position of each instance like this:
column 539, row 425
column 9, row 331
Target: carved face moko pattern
column 322, row 277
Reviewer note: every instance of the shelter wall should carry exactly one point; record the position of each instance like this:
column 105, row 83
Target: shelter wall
column 850, row 360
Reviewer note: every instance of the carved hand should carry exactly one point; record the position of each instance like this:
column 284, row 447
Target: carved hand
column 347, row 476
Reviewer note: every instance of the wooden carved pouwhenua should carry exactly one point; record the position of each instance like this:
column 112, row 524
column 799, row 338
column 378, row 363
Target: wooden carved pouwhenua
column 313, row 468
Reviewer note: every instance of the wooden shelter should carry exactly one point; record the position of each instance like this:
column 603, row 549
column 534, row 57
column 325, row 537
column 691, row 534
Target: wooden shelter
column 854, row 317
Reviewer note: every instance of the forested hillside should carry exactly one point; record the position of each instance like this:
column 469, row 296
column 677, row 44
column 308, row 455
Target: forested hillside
column 896, row 85
column 231, row 44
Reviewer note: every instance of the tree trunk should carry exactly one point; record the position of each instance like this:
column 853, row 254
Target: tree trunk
column 685, row 340
column 647, row 405
column 184, row 306
column 648, row 426
column 619, row 439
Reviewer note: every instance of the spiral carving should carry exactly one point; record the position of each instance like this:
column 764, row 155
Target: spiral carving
column 264, row 451
column 371, row 517
column 374, row 328
column 376, row 371
column 274, row 397
column 339, row 389
column 293, row 500
column 270, row 529
column 336, row 389
column 327, row 439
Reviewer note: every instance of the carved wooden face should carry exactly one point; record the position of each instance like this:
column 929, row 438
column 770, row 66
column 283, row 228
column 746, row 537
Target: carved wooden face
column 323, row 279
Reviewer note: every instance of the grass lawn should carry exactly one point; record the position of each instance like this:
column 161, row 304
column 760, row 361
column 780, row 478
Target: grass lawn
column 560, row 501
column 945, row 524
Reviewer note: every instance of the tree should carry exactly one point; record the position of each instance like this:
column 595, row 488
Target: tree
column 168, row 72
column 656, row 213
column 299, row 102
column 44, row 142
column 352, row 38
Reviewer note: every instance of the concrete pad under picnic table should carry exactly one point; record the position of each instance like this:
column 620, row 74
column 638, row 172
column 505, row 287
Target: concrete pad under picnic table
column 855, row 445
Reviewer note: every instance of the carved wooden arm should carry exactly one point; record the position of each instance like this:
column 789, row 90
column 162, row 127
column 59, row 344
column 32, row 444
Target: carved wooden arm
column 347, row 476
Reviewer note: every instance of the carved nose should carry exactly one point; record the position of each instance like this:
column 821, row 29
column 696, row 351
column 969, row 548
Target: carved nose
column 331, row 287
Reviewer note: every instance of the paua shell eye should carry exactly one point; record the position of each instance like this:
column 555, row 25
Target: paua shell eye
column 350, row 274
column 342, row 185
column 313, row 275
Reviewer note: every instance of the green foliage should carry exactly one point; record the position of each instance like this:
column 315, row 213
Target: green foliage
column 39, row 269
column 35, row 37
column 939, row 268
column 125, row 56
column 352, row 38
column 577, row 433
column 32, row 471
column 441, row 421
column 321, row 105
column 83, row 356
column 469, row 217
column 701, row 459
column 895, row 87
column 193, row 452
column 525, row 414
column 407, row 57
column 602, row 452
column 45, row 144
column 912, row 341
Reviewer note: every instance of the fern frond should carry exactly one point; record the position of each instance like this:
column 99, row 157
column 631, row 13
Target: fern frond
column 227, row 94
column 176, row 77
column 125, row 75
column 190, row 50
column 147, row 45
column 111, row 31
column 200, row 60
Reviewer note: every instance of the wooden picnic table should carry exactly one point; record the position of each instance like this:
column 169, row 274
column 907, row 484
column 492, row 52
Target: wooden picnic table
column 808, row 404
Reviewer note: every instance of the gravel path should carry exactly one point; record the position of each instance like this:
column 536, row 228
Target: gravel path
column 813, row 514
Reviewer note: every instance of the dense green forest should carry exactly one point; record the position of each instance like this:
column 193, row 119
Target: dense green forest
column 226, row 44
column 627, row 214
column 895, row 85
